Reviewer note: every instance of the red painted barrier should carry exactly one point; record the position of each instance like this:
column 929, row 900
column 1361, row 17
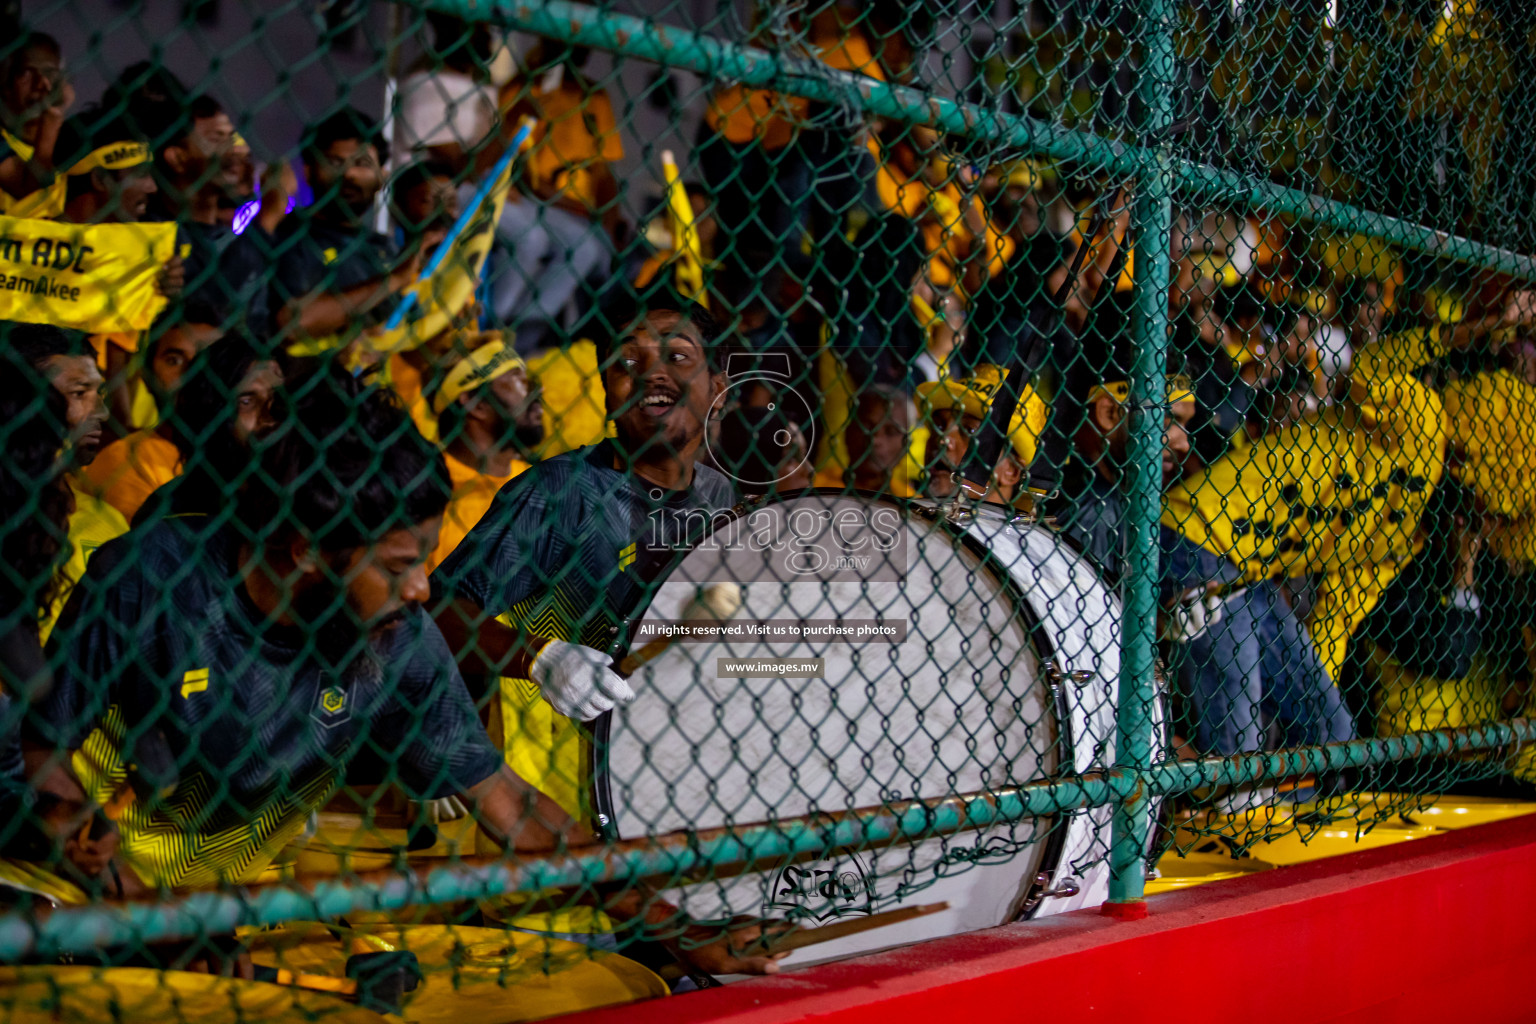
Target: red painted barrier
column 1442, row 929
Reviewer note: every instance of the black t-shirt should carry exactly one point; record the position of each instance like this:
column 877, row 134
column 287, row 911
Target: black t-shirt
column 308, row 254
column 228, row 271
column 161, row 636
column 569, row 549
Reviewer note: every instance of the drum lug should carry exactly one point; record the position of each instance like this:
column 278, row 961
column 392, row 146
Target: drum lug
column 1069, row 886
column 1055, row 676
column 1029, row 510
column 1042, row 891
column 955, row 512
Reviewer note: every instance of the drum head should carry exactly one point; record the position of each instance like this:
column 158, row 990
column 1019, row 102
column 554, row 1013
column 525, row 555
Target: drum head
column 876, row 656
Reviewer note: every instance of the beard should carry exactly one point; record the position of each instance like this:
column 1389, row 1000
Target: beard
column 528, row 436
column 340, row 644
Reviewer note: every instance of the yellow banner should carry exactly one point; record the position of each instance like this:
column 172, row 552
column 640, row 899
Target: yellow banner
column 443, row 296
column 98, row 278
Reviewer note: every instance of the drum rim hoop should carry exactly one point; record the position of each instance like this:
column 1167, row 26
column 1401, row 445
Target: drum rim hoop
column 600, row 790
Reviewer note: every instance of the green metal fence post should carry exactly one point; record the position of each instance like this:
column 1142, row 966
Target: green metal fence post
column 1153, row 223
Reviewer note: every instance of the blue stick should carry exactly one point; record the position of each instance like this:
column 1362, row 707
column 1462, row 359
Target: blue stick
column 462, row 224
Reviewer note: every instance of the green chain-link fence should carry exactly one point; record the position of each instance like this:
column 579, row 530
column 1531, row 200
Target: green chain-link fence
column 515, row 507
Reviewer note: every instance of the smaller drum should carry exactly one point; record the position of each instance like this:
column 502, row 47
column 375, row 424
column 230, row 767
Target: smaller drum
column 471, row 975
column 131, row 995
column 881, row 653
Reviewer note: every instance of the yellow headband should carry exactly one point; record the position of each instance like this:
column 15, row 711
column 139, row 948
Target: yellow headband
column 116, row 156
column 1179, row 390
column 480, row 367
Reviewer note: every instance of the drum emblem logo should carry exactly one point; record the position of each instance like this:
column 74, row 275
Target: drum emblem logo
column 839, row 887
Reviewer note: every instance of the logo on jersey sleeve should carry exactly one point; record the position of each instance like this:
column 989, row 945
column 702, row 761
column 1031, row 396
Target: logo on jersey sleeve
column 194, row 680
column 626, row 557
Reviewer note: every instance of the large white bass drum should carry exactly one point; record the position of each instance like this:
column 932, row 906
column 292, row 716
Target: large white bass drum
column 872, row 652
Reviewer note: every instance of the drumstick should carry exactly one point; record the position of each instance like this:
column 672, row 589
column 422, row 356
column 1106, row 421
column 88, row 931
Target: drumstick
column 797, row 938
column 343, row 987
column 718, row 601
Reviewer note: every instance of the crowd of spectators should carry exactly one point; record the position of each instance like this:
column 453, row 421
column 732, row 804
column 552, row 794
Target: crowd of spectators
column 1349, row 456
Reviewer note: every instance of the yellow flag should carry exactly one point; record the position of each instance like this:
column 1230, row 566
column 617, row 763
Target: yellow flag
column 1491, row 418
column 685, row 237
column 98, row 278
column 444, row 295
column 1322, row 496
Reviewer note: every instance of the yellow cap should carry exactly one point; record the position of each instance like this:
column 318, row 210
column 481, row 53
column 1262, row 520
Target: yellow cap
column 974, row 395
column 483, row 365
column 1179, row 390
column 115, row 156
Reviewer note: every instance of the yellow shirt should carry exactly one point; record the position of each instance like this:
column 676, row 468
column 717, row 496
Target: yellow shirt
column 575, row 404
column 574, row 131
column 847, row 49
column 1320, row 494
column 742, row 115
column 1404, row 352
column 44, row 204
column 128, row 471
column 92, row 524
column 944, row 230
column 405, row 380
column 473, row 492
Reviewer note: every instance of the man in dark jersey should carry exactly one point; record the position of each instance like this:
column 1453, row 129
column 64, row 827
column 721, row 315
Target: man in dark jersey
column 332, row 273
column 540, row 588
column 213, row 684
column 568, row 549
column 208, row 174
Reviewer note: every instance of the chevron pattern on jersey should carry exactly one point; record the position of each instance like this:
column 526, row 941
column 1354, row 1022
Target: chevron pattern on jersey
column 172, row 845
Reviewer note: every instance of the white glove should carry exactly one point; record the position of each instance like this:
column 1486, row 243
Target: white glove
column 577, row 681
column 1196, row 612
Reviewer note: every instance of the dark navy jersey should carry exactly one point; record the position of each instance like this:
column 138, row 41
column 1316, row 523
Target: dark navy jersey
column 161, row 643
column 228, row 271
column 309, row 254
column 570, row 548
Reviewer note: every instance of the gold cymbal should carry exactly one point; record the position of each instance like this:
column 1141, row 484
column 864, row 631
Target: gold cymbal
column 132, row 995
column 471, row 975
